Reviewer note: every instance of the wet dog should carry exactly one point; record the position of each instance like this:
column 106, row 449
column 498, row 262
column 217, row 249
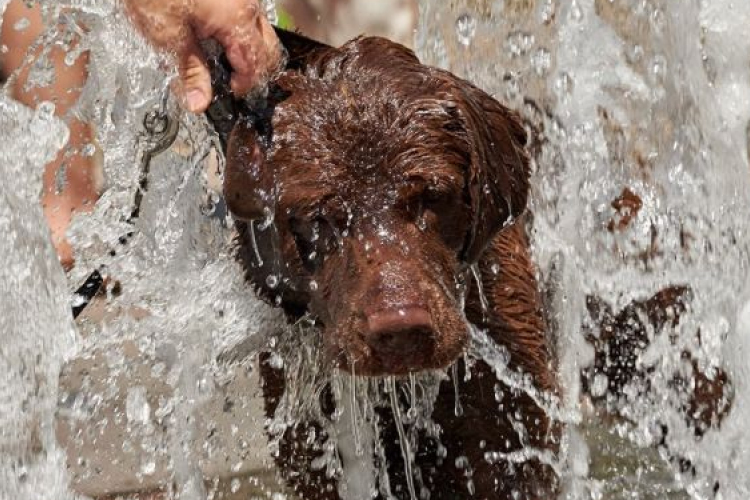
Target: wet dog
column 384, row 200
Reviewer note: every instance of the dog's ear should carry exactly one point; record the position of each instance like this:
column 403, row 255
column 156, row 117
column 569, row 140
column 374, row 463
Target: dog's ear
column 300, row 50
column 245, row 132
column 498, row 177
column 248, row 186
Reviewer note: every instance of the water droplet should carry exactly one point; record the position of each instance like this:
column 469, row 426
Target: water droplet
column 599, row 385
column 659, row 67
column 61, row 178
column 88, row 150
column 576, row 14
column 541, row 61
column 272, row 281
column 235, row 485
column 441, row 52
column 634, row 53
column 563, row 85
column 45, row 110
column 658, row 20
column 313, row 286
column 275, row 361
column 22, row 24
column 22, row 473
column 512, row 86
column 384, row 234
column 72, row 56
column 548, row 11
column 267, row 219
column 519, row 43
column 466, row 29
column 148, row 468
column 137, row 409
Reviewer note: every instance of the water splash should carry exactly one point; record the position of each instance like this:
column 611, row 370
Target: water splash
column 667, row 119
column 629, row 100
column 172, row 285
column 38, row 334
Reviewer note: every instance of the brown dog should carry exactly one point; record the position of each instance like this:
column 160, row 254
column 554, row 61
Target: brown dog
column 365, row 195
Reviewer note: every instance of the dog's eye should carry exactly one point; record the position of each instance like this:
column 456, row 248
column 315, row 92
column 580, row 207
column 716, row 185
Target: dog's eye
column 435, row 199
column 428, row 206
column 315, row 239
column 440, row 211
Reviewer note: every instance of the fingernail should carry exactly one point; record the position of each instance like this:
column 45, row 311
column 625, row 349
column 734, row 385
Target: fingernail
column 196, row 100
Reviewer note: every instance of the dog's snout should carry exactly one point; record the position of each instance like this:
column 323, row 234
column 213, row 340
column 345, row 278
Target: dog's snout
column 400, row 332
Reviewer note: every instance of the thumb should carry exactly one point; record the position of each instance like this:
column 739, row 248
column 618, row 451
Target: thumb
column 195, row 77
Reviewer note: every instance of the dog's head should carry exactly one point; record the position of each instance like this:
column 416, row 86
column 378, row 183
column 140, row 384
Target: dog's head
column 372, row 186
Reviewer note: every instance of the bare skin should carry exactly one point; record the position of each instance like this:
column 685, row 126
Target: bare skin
column 239, row 25
column 82, row 177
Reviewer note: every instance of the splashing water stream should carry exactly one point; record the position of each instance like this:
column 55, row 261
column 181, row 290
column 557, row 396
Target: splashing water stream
column 650, row 97
column 180, row 289
column 406, row 451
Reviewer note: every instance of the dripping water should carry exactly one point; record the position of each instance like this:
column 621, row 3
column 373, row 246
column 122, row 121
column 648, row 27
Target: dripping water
column 406, row 451
column 413, row 412
column 475, row 271
column 458, row 410
column 254, row 243
column 354, row 408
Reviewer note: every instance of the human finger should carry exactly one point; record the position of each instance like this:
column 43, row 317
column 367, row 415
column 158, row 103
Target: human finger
column 249, row 40
column 195, row 77
column 166, row 24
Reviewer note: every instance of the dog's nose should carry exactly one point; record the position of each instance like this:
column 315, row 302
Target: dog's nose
column 402, row 332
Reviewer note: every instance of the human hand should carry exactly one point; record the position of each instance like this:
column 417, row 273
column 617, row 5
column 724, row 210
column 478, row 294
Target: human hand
column 248, row 38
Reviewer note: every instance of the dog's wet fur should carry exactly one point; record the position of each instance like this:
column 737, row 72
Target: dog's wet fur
column 388, row 179
column 364, row 195
column 371, row 195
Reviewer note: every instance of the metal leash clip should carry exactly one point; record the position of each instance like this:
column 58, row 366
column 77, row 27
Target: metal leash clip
column 160, row 133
